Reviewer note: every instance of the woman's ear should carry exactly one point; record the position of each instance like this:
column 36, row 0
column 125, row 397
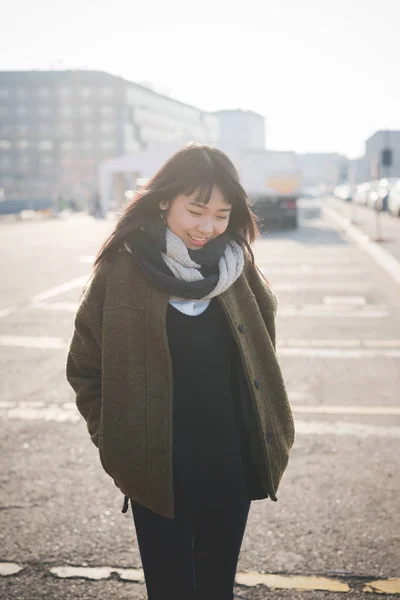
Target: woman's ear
column 163, row 205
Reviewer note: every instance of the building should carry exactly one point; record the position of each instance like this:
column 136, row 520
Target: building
column 382, row 154
column 381, row 158
column 242, row 129
column 57, row 127
column 239, row 133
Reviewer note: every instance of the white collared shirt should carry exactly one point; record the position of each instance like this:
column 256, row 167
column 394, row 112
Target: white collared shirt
column 189, row 306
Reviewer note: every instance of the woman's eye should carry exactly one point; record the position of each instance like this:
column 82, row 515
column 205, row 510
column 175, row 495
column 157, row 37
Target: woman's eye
column 199, row 215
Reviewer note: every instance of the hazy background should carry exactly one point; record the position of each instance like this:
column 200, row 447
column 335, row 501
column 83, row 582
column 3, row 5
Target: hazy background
column 324, row 74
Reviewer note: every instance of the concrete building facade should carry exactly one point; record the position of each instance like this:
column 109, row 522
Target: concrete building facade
column 242, row 129
column 57, row 127
column 375, row 148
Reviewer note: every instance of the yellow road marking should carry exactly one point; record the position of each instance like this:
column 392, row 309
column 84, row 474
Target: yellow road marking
column 384, row 586
column 296, row 582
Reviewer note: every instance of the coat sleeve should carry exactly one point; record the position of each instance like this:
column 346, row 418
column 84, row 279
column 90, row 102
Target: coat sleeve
column 266, row 299
column 84, row 359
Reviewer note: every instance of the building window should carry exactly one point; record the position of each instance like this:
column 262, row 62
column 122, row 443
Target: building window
column 107, row 145
column 20, row 93
column 5, row 163
column 44, row 110
column 22, row 129
column 88, row 127
column 106, row 127
column 5, row 144
column 43, row 129
column 87, row 145
column 67, row 145
column 46, row 160
column 86, row 110
column 106, row 92
column 107, row 110
column 22, row 111
column 43, row 92
column 45, row 145
column 22, row 144
column 4, row 110
column 24, row 163
column 4, row 92
column 66, row 110
column 64, row 91
column 66, row 129
column 86, row 92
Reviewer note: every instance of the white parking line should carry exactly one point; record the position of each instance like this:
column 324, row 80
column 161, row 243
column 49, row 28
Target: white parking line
column 23, row 341
column 68, row 412
column 288, row 310
column 340, row 428
column 333, row 409
column 8, row 311
column 345, row 300
column 60, row 289
column 58, row 306
column 337, row 343
column 323, row 310
column 311, row 269
column 285, row 286
column 338, row 352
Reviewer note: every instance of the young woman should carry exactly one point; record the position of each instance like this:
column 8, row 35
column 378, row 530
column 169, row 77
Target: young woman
column 174, row 368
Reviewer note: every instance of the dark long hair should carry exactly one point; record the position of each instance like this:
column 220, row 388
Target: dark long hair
column 194, row 167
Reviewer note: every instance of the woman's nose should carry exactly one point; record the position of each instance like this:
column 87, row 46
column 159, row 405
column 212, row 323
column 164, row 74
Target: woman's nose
column 206, row 226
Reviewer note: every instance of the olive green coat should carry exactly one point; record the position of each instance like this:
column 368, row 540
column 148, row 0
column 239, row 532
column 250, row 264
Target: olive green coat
column 119, row 366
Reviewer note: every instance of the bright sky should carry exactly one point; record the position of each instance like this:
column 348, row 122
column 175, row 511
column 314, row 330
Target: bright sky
column 324, row 73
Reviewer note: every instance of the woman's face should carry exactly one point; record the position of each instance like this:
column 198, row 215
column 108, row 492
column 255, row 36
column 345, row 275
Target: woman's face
column 196, row 223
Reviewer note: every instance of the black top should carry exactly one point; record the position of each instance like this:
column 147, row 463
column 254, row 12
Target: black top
column 211, row 452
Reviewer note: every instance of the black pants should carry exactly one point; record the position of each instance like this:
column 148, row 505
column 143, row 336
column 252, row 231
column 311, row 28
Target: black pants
column 194, row 555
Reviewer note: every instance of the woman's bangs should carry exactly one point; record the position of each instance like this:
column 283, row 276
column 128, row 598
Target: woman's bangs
column 204, row 190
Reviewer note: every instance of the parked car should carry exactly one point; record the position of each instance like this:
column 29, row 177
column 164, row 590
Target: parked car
column 279, row 212
column 343, row 192
column 378, row 196
column 374, row 194
column 394, row 199
column 308, row 193
column 362, row 193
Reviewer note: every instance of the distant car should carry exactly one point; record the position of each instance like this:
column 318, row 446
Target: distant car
column 362, row 193
column 373, row 194
column 394, row 199
column 308, row 192
column 278, row 212
column 343, row 192
column 378, row 196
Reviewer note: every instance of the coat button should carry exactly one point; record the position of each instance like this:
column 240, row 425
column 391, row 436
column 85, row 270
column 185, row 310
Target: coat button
column 241, row 328
column 257, row 383
column 268, row 436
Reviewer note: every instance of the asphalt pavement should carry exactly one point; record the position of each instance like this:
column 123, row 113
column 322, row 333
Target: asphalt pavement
column 335, row 527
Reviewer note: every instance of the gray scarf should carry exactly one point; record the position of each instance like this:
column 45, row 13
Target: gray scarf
column 181, row 271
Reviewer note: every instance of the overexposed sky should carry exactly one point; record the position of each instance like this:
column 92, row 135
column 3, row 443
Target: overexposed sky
column 324, row 73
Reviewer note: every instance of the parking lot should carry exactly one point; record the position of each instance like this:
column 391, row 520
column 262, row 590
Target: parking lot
column 335, row 527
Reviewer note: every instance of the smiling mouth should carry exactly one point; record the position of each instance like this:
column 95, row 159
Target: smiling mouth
column 199, row 240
